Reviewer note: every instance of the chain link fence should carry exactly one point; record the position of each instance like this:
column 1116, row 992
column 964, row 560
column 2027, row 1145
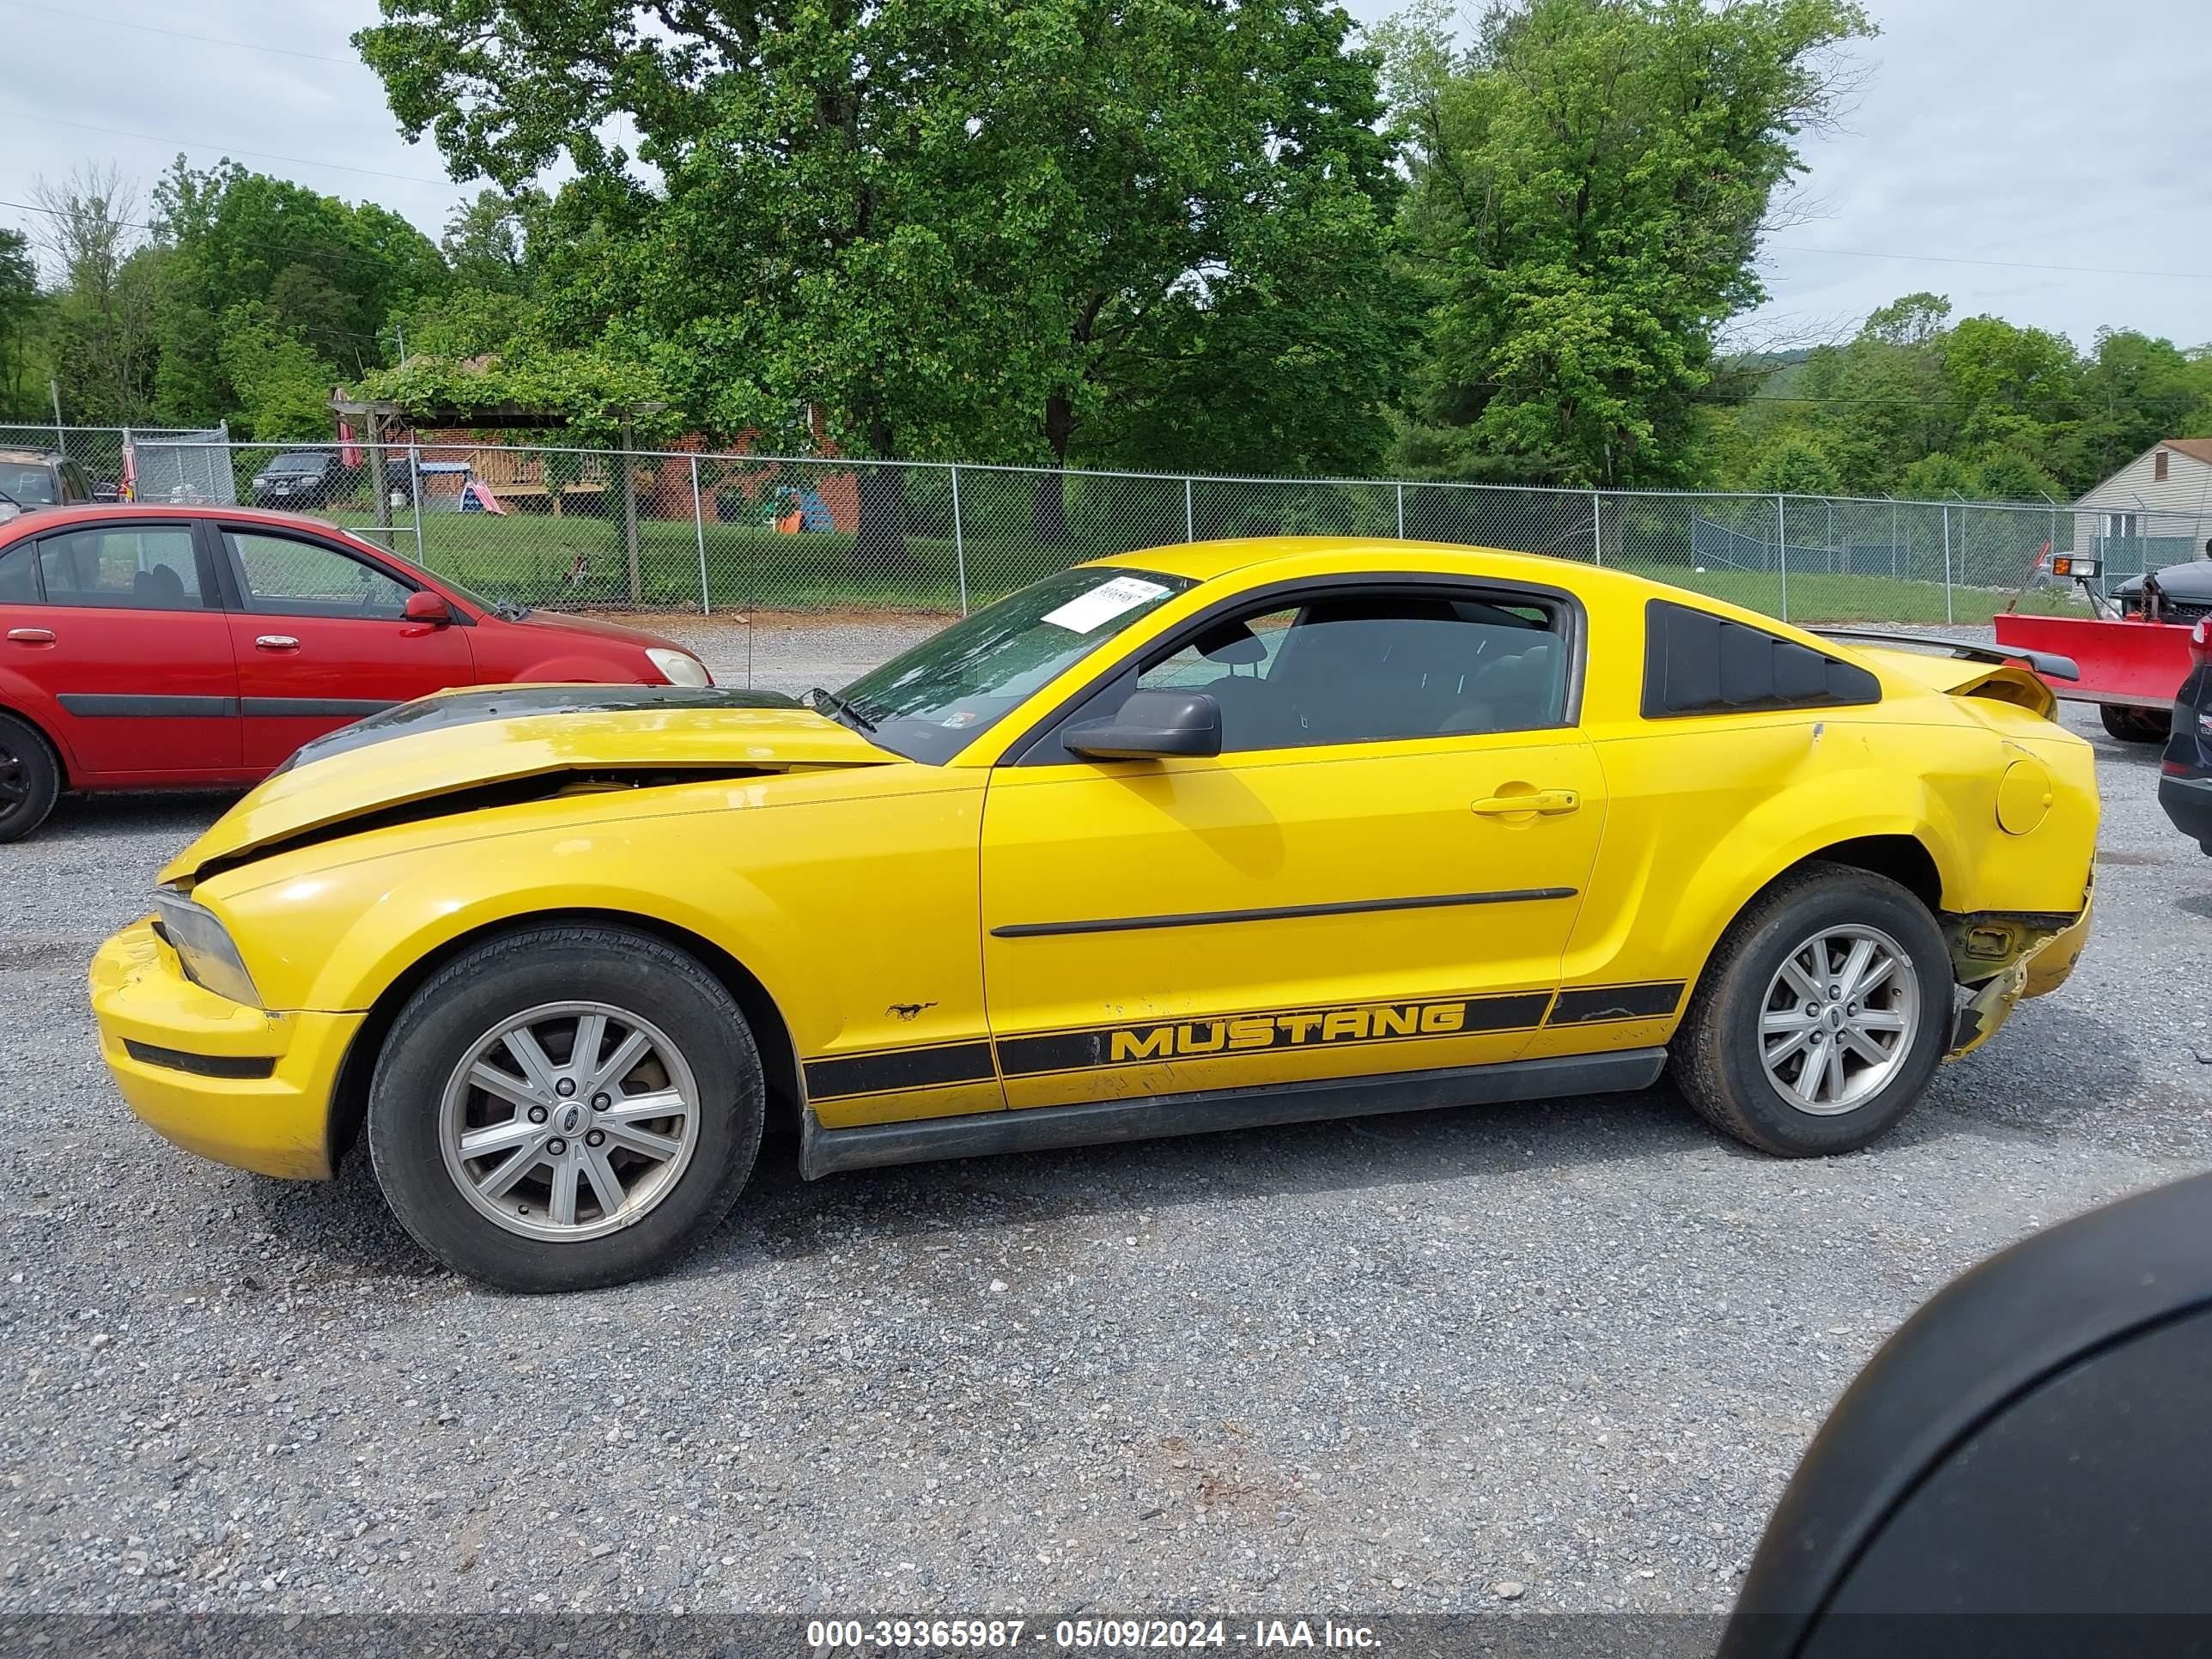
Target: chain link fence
column 570, row 528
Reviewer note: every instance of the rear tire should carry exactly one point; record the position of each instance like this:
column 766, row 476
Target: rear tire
column 30, row 779
column 1805, row 1065
column 622, row 1119
column 2131, row 724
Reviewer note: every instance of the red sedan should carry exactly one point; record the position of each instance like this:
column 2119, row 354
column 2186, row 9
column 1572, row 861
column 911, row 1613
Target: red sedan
column 146, row 647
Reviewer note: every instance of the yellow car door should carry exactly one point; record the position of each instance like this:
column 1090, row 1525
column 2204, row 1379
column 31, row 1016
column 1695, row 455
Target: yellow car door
column 1376, row 875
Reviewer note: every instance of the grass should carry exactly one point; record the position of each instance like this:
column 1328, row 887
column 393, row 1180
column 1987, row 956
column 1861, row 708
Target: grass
column 579, row 560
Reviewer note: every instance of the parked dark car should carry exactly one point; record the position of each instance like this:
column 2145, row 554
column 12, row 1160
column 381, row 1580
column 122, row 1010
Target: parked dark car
column 2185, row 782
column 304, row 477
column 32, row 478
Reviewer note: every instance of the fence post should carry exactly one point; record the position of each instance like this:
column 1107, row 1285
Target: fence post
column 414, row 495
column 1597, row 532
column 1782, row 550
column 1892, row 541
column 959, row 542
column 1189, row 520
column 1401, row 512
column 629, row 511
column 699, row 520
column 1947, row 564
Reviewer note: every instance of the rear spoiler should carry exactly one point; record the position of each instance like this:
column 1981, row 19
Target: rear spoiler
column 2049, row 663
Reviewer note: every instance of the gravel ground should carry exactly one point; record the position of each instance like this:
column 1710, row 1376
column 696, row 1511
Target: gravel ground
column 1384, row 1365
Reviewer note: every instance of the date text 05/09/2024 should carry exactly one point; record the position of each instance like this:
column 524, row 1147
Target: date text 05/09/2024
column 839, row 1636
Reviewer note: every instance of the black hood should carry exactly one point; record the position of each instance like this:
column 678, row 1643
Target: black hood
column 2190, row 583
column 507, row 702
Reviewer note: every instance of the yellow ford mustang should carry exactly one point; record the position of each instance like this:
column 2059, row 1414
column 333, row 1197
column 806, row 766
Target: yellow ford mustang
column 1215, row 835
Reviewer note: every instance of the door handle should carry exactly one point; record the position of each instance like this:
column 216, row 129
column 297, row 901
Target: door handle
column 1550, row 803
column 31, row 635
column 276, row 642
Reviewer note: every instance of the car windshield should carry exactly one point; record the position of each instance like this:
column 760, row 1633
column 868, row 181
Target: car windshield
column 27, row 483
column 932, row 701
column 298, row 464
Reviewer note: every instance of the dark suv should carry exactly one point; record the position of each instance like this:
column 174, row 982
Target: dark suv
column 303, row 477
column 32, row 478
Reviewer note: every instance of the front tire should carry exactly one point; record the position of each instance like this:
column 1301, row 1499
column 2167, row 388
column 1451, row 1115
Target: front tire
column 30, row 779
column 1821, row 1016
column 566, row 1107
column 2131, row 724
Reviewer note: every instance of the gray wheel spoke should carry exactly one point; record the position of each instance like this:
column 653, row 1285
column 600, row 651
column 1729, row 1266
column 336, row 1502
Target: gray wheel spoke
column 606, row 1186
column 522, row 1042
column 1863, row 1046
column 639, row 1109
column 1875, row 976
column 508, row 1086
column 1800, row 981
column 498, row 1137
column 1855, row 963
column 584, row 1058
column 1880, row 1019
column 1833, row 1075
column 1792, row 1019
column 502, row 1180
column 642, row 1140
column 564, row 1193
column 619, row 1064
column 1787, row 1047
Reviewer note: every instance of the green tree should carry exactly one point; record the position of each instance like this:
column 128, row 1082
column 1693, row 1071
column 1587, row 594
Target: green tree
column 1795, row 467
column 952, row 228
column 19, row 315
column 1589, row 180
column 327, row 273
column 1939, row 477
column 104, row 311
column 283, row 383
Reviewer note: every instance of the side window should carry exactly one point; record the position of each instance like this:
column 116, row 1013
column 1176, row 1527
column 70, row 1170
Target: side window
column 1696, row 663
column 138, row 568
column 1368, row 667
column 75, row 486
column 19, row 577
column 286, row 577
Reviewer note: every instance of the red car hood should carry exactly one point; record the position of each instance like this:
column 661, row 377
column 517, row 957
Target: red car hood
column 561, row 622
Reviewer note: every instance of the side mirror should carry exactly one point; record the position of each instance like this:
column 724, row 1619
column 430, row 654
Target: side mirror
column 1150, row 726
column 426, row 607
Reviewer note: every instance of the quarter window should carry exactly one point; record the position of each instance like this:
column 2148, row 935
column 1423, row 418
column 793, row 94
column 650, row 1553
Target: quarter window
column 142, row 568
column 285, row 576
column 1696, row 663
column 19, row 578
column 1368, row 667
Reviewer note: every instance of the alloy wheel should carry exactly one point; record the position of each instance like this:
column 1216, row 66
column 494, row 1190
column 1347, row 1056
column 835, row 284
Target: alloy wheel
column 569, row 1120
column 1839, row 1019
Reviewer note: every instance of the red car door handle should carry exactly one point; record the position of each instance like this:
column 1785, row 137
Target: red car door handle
column 276, row 642
column 31, row 635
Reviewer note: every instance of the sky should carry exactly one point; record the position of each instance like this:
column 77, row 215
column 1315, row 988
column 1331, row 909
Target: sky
column 1994, row 141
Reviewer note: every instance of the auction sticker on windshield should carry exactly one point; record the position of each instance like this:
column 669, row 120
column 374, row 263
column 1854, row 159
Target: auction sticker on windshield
column 1103, row 603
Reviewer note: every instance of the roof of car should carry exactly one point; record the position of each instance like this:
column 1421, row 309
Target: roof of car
column 55, row 518
column 34, row 457
column 1205, row 560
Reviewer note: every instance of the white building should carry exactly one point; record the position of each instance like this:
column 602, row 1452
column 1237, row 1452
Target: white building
column 2153, row 511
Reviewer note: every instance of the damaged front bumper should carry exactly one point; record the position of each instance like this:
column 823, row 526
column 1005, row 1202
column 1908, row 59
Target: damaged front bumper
column 2002, row 957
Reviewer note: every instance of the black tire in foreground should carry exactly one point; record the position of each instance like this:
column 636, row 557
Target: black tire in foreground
column 1822, row 1014
column 565, row 1107
column 30, row 779
column 2130, row 724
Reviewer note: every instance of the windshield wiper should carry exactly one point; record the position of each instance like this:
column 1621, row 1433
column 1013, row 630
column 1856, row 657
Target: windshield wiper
column 837, row 706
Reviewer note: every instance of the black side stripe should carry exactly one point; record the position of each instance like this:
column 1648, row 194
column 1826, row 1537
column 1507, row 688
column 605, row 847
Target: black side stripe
column 349, row 709
column 1269, row 1030
column 1595, row 1005
column 894, row 1069
column 101, row 706
column 1276, row 913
